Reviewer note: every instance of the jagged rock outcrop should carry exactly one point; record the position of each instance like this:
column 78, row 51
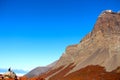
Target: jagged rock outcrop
column 9, row 75
column 100, row 47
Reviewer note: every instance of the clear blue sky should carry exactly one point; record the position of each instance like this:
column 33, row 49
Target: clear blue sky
column 36, row 32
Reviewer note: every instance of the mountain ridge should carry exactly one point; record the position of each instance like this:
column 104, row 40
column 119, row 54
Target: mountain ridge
column 39, row 70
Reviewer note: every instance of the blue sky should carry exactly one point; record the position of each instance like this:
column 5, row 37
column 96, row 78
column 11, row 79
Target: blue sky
column 36, row 32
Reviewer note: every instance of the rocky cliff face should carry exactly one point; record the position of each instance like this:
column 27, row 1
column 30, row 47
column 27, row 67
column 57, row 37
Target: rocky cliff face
column 100, row 47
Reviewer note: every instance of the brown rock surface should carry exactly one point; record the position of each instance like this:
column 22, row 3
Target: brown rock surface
column 91, row 72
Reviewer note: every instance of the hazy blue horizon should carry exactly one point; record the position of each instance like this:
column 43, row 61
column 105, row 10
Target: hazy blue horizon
column 18, row 72
column 36, row 32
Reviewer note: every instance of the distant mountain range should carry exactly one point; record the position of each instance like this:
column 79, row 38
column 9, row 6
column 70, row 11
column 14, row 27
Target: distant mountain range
column 96, row 57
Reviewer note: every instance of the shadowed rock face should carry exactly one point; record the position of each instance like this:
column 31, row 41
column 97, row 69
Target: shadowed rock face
column 40, row 70
column 100, row 47
column 37, row 71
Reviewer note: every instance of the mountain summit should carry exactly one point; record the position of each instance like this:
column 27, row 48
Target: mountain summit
column 108, row 23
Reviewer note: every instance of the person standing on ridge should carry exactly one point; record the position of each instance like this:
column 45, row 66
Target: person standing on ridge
column 9, row 69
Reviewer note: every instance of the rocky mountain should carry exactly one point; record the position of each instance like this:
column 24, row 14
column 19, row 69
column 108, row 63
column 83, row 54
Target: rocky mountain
column 40, row 70
column 96, row 57
column 99, row 47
